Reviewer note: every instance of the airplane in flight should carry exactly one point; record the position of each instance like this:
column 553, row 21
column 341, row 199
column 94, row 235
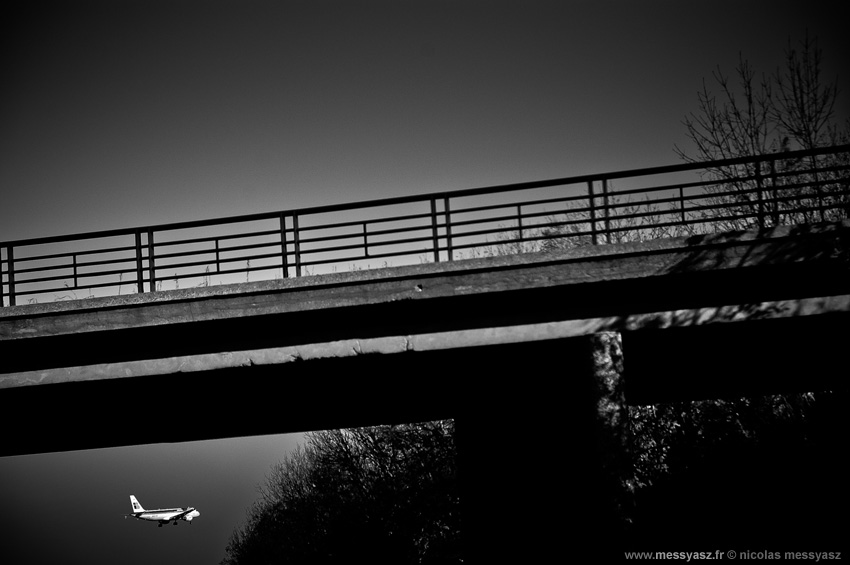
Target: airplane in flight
column 162, row 515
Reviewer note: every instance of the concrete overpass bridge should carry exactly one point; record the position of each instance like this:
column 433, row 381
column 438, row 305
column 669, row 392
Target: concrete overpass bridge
column 533, row 353
column 698, row 317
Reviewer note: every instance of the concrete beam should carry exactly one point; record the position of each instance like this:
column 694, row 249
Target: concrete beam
column 819, row 249
column 429, row 341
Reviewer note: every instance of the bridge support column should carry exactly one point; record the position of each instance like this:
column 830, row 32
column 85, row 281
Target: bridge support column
column 611, row 424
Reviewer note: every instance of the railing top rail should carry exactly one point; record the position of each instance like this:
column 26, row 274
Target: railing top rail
column 427, row 197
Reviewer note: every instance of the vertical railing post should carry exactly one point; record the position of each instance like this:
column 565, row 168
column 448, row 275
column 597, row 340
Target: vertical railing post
column 519, row 224
column 284, row 261
column 365, row 241
column 759, row 195
column 151, row 263
column 140, row 277
column 435, row 233
column 818, row 187
column 448, row 212
column 682, row 205
column 607, row 211
column 297, row 241
column 774, row 204
column 2, row 292
column 10, row 273
column 591, row 199
column 74, row 262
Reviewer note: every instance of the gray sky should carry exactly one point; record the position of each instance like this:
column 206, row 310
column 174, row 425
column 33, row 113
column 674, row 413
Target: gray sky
column 69, row 507
column 117, row 114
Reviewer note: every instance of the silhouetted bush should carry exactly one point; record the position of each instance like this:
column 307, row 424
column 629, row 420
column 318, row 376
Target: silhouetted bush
column 738, row 473
column 385, row 494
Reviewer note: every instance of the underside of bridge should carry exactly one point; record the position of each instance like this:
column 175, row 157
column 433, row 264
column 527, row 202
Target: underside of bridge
column 369, row 388
column 536, row 357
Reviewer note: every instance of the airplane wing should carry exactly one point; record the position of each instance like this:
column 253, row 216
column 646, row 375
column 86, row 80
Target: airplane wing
column 181, row 514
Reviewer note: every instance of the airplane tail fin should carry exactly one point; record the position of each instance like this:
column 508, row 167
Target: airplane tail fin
column 135, row 503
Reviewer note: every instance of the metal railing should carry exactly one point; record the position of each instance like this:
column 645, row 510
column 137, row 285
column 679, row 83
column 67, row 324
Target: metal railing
column 743, row 193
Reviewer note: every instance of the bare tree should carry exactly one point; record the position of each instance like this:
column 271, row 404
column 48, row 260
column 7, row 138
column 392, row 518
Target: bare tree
column 792, row 109
column 383, row 494
column 804, row 107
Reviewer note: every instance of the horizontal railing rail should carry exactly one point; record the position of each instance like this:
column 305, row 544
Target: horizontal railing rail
column 740, row 193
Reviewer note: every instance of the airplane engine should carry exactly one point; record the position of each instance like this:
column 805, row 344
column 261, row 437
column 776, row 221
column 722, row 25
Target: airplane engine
column 188, row 518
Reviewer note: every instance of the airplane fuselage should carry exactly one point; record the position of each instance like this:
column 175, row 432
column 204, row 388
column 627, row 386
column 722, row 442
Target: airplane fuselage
column 162, row 515
column 166, row 514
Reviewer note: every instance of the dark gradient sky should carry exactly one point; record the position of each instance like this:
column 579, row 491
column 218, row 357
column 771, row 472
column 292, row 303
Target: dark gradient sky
column 69, row 507
column 116, row 114
column 123, row 113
